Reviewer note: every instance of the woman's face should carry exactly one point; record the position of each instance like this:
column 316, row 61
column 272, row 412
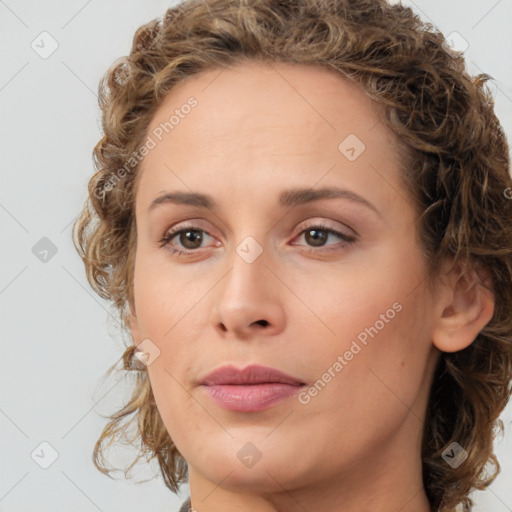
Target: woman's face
column 277, row 271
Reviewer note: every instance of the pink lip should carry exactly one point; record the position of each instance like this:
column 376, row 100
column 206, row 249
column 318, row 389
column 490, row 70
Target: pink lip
column 252, row 389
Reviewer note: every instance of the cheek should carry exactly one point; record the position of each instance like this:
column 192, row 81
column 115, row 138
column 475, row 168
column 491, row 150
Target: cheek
column 340, row 307
column 375, row 340
column 343, row 300
column 371, row 395
column 165, row 298
column 375, row 370
column 183, row 418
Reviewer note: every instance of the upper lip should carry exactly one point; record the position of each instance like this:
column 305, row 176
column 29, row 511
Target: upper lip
column 253, row 374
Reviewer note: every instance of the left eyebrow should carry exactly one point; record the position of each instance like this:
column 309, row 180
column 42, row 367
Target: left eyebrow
column 299, row 196
column 291, row 197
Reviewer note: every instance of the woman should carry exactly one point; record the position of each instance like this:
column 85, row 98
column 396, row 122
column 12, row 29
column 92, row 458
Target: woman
column 302, row 212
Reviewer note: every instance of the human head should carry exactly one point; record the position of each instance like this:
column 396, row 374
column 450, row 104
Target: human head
column 455, row 168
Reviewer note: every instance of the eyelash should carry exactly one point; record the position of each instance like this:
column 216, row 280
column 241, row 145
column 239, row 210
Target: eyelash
column 166, row 240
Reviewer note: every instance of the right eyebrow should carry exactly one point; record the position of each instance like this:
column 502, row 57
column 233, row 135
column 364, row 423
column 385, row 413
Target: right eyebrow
column 189, row 198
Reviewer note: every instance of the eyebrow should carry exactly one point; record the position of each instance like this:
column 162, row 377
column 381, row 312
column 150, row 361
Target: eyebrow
column 292, row 197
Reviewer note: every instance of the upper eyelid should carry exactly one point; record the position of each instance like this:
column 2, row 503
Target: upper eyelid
column 196, row 225
column 190, row 225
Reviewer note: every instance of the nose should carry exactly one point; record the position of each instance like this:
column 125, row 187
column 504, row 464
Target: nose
column 248, row 301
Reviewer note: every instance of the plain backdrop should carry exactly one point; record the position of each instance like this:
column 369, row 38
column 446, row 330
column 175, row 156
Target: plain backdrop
column 57, row 337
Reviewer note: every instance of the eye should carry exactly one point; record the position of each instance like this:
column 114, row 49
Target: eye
column 317, row 235
column 190, row 237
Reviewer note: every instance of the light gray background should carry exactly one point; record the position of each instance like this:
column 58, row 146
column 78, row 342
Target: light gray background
column 58, row 338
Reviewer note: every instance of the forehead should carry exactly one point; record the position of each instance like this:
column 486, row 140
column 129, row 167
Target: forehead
column 259, row 120
column 283, row 94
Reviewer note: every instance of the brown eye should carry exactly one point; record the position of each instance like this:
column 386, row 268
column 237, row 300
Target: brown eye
column 185, row 239
column 316, row 237
column 190, row 238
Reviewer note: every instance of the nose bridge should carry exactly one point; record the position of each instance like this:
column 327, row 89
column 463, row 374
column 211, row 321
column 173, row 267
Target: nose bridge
column 247, row 282
column 247, row 299
column 249, row 272
column 250, row 253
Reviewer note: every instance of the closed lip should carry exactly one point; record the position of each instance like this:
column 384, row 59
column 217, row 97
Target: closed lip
column 250, row 375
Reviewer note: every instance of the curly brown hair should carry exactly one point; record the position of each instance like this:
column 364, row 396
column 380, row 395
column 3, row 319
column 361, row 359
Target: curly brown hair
column 457, row 173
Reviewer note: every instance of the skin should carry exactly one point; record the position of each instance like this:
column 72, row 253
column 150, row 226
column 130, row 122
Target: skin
column 259, row 129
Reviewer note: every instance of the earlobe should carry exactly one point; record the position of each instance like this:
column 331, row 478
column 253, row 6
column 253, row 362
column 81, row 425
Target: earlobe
column 465, row 307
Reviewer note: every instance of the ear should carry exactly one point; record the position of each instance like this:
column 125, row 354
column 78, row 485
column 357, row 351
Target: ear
column 465, row 305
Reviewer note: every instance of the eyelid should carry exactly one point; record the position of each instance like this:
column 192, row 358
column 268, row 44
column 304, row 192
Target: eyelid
column 186, row 225
column 346, row 240
column 318, row 222
column 192, row 223
column 198, row 224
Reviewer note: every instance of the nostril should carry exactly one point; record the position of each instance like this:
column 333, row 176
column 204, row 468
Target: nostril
column 263, row 323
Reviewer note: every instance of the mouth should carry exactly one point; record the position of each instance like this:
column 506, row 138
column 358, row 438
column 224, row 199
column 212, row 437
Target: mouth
column 254, row 388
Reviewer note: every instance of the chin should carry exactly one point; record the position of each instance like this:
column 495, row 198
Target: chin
column 243, row 471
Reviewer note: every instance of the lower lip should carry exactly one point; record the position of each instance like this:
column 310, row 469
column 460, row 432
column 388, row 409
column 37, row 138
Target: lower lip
column 250, row 398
